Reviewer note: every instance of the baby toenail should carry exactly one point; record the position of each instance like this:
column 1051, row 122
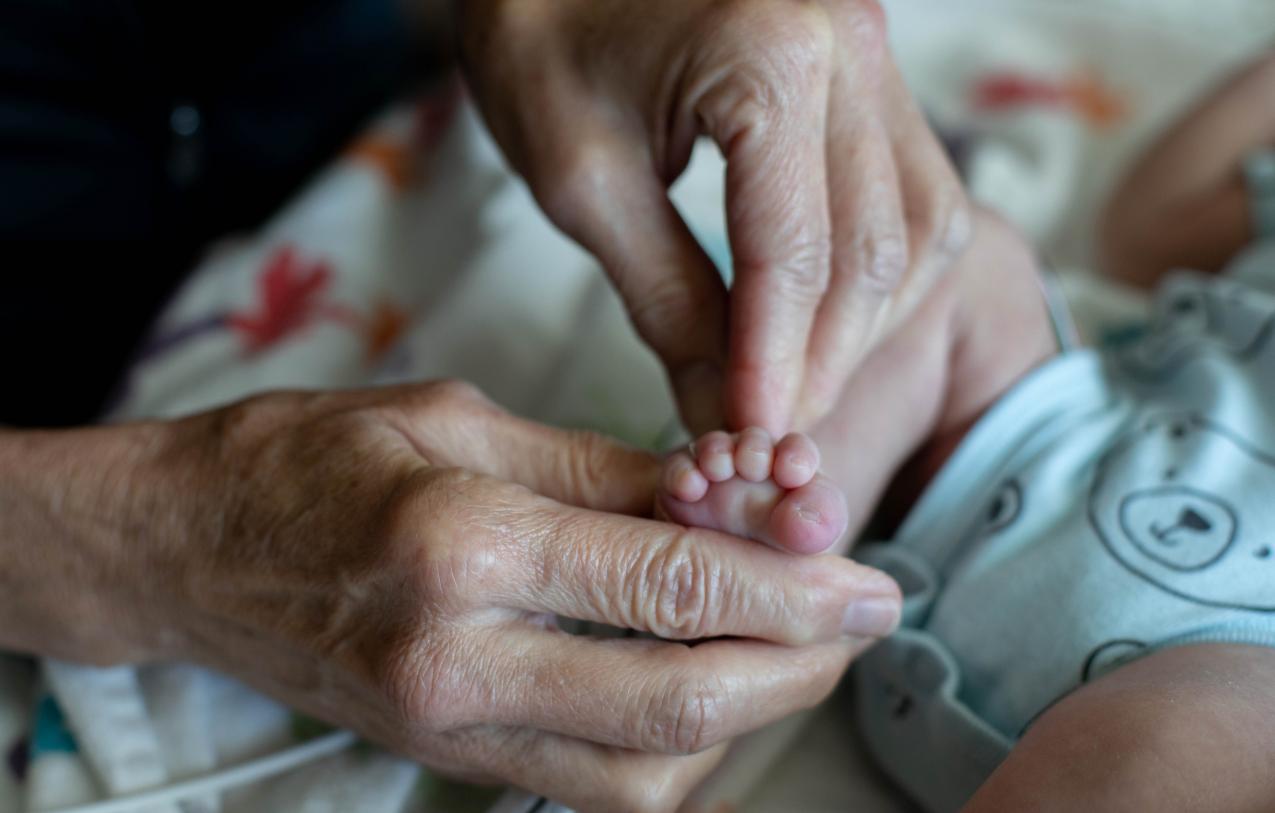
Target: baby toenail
column 809, row 514
column 720, row 466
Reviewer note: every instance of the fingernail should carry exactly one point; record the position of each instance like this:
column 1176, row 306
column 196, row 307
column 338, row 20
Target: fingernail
column 699, row 393
column 873, row 617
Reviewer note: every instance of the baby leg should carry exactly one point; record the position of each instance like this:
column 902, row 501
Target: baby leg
column 1188, row 728
column 983, row 327
column 1186, row 204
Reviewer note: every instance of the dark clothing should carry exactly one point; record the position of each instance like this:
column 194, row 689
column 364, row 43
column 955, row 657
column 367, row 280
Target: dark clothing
column 132, row 133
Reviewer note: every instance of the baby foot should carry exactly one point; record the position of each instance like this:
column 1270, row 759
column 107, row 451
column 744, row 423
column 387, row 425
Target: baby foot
column 749, row 486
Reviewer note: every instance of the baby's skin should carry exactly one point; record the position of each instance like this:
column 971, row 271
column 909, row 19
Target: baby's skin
column 983, row 326
column 1128, row 741
column 748, row 485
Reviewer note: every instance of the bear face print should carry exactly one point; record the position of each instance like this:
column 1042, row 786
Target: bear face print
column 1190, row 507
column 1179, row 527
column 1196, row 315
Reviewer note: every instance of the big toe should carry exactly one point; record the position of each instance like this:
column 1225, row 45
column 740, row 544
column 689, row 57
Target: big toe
column 809, row 519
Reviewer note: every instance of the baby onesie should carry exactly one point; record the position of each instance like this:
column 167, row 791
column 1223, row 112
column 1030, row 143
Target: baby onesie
column 1113, row 504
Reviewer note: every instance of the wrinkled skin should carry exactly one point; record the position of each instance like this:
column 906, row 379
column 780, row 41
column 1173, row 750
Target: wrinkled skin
column 842, row 208
column 391, row 561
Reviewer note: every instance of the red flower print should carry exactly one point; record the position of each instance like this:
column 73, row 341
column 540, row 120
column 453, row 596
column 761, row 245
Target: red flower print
column 290, row 290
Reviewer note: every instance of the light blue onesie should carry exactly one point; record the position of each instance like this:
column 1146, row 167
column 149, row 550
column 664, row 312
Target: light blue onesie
column 1113, row 504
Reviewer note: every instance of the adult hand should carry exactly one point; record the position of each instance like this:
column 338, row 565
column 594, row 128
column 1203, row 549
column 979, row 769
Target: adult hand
column 841, row 206
column 392, row 561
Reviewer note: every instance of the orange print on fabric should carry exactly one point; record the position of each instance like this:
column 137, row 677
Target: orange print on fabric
column 394, row 161
column 1084, row 95
column 384, row 327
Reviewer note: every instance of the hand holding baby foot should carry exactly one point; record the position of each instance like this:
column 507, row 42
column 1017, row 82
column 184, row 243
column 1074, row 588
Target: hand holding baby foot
column 749, row 486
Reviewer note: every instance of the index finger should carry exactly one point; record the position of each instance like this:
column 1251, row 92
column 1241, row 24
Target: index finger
column 770, row 124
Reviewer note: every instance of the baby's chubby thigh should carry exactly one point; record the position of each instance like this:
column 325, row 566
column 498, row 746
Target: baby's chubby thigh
column 1186, row 728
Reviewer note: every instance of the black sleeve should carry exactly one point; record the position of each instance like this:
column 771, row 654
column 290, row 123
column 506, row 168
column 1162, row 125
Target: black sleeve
column 133, row 132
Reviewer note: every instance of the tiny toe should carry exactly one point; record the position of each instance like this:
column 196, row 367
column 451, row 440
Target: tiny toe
column 810, row 519
column 683, row 480
column 754, row 454
column 715, row 454
column 796, row 461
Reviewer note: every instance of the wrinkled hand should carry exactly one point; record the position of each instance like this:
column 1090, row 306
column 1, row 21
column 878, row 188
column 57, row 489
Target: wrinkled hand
column 842, row 208
column 392, row 561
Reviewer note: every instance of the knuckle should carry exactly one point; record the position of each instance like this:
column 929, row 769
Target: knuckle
column 867, row 26
column 422, row 689
column 428, row 504
column 941, row 233
column 795, row 57
column 803, row 277
column 943, row 222
column 679, row 587
column 885, row 266
column 568, row 181
column 801, row 51
column 589, row 463
column 862, row 35
column 690, row 718
column 444, row 521
column 452, row 394
column 249, row 424
column 825, row 593
column 666, row 300
column 482, row 756
column 955, row 228
column 741, row 109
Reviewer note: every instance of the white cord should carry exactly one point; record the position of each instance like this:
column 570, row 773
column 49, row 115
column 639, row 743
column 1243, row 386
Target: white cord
column 244, row 774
